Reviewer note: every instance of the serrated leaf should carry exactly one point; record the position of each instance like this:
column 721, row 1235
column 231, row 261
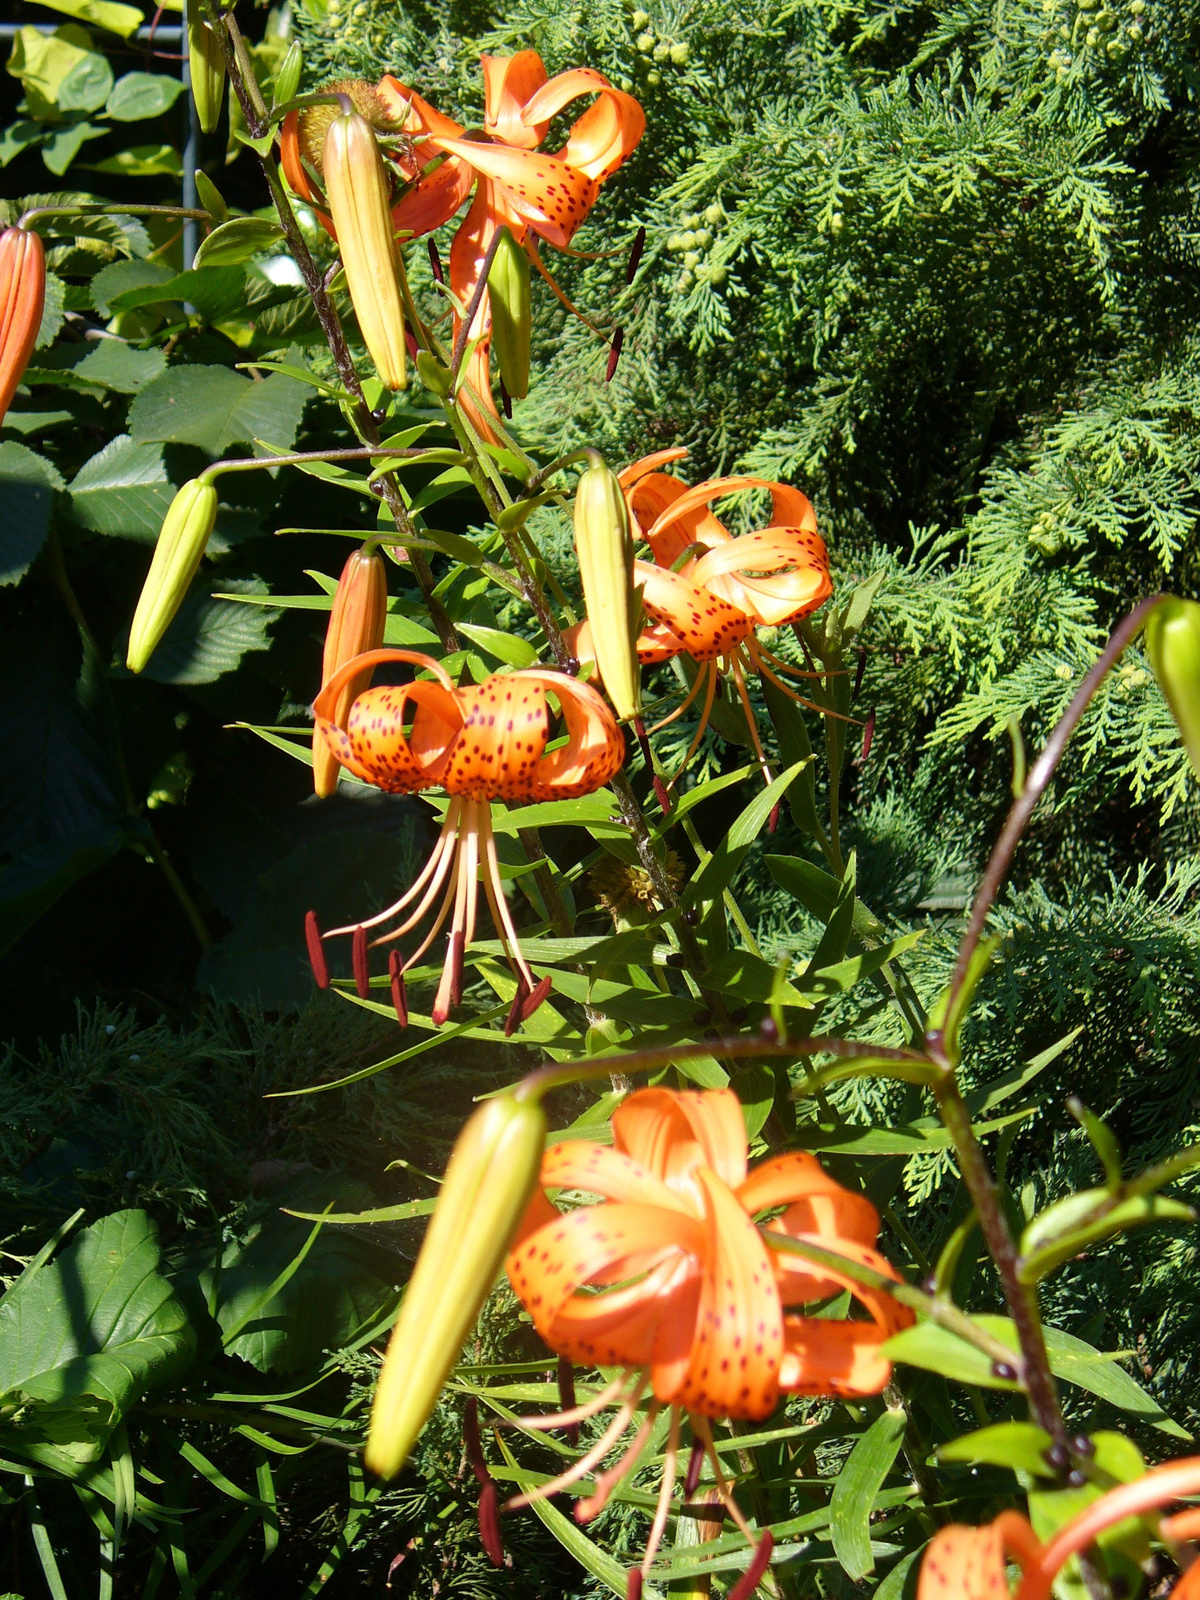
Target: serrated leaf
column 52, row 311
column 208, row 637
column 139, row 95
column 854, row 1492
column 214, row 407
column 142, row 161
column 214, row 292
column 28, row 483
column 122, row 275
column 123, row 490
column 87, row 1334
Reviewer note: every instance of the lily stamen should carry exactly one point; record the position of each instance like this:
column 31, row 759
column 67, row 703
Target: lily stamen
column 581, row 1468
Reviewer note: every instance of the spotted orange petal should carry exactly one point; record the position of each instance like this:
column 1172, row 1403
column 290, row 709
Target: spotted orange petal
column 651, row 463
column 508, row 83
column 737, row 571
column 706, row 625
column 504, row 730
column 374, row 744
column 595, row 747
column 601, row 1169
column 553, row 197
column 817, row 1203
column 650, row 1323
column 649, row 501
column 606, row 133
column 434, row 198
column 964, row 1563
column 671, row 1132
column 734, row 1367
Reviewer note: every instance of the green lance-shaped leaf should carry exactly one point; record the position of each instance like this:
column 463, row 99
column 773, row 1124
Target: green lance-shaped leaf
column 859, row 1481
column 508, row 294
column 1173, row 645
column 206, row 65
column 492, row 1173
column 185, row 533
column 288, row 79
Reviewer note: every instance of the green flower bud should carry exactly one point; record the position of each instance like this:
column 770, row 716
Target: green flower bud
column 185, row 532
column 206, row 66
column 493, row 1171
column 508, row 294
column 288, row 79
column 604, row 546
column 1173, row 645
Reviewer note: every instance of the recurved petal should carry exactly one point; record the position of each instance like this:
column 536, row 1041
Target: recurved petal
column 595, row 746
column 734, row 1367
column 816, row 1202
column 652, row 1321
column 394, row 760
column 600, row 1169
column 434, row 198
column 503, row 735
column 801, row 1281
column 715, row 1118
column 703, row 493
column 706, row 625
column 508, row 83
column 648, row 501
column 416, row 116
column 564, row 87
column 639, row 469
column 552, row 196
column 605, row 135
column 822, row 1356
column 964, row 1563
column 573, row 1250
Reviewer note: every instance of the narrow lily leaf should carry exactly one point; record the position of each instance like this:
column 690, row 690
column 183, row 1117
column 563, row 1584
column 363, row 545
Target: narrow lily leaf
column 854, row 1492
column 721, row 867
column 1020, row 1445
column 507, row 647
column 396, row 1213
column 818, row 891
column 1056, row 1236
column 950, row 1009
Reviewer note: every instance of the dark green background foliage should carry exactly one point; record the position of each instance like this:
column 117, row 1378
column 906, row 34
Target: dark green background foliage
column 939, row 265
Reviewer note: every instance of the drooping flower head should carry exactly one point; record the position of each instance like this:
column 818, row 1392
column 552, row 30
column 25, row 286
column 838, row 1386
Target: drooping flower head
column 671, row 1279
column 706, row 591
column 537, row 195
column 480, row 743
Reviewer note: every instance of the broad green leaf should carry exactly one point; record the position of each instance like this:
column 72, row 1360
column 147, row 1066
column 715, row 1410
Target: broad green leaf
column 28, row 483
column 901, row 1580
column 139, row 95
column 216, row 292
column 207, row 638
column 142, row 161
column 509, row 648
column 123, row 275
column 114, row 364
column 85, row 1336
column 1070, row 1226
column 1019, row 1445
column 904, row 1139
column 123, row 490
column 235, row 241
column 86, row 87
column 52, row 312
column 43, row 62
column 214, row 407
column 855, row 1489
column 24, row 134
column 107, row 14
column 65, row 144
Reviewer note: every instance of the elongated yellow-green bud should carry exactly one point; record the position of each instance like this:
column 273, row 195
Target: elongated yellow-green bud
column 493, row 1172
column 604, row 546
column 356, row 624
column 206, row 66
column 508, row 293
column 357, row 189
column 185, row 531
column 1173, row 645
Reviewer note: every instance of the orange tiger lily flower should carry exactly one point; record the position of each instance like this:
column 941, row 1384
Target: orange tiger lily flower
column 707, row 591
column 964, row 1563
column 516, row 185
column 671, row 1280
column 480, row 743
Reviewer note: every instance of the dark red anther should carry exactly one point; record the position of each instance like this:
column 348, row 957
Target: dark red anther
column 472, row 1443
column 752, row 1577
column 639, row 729
column 773, row 819
column 435, row 262
column 316, row 950
column 633, row 1584
column 489, row 1524
column 505, row 400
column 858, row 674
column 614, row 354
column 361, row 963
column 535, row 998
column 410, row 341
column 566, row 1397
column 513, row 1021
column 398, row 1561
column 868, row 735
column 635, row 255
column 399, row 994
column 695, row 1462
column 662, row 794
column 455, row 957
